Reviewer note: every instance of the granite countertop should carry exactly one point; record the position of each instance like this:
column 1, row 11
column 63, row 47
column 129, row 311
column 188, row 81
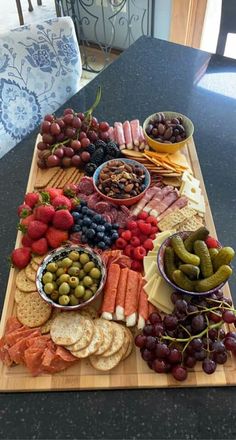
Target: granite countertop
column 152, row 75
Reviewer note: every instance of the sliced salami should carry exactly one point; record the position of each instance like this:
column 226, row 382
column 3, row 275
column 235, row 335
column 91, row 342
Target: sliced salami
column 86, row 186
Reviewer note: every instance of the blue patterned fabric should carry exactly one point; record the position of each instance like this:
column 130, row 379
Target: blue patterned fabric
column 40, row 69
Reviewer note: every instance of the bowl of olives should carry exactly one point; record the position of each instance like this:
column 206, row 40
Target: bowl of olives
column 71, row 277
column 167, row 132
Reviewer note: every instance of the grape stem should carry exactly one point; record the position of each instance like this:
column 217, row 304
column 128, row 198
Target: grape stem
column 199, row 335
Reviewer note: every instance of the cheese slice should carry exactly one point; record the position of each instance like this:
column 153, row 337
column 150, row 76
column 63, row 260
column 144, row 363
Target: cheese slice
column 187, row 177
column 191, row 191
column 147, row 262
column 161, row 237
column 152, row 269
column 198, row 205
column 159, row 306
column 149, row 285
column 161, row 294
column 152, row 253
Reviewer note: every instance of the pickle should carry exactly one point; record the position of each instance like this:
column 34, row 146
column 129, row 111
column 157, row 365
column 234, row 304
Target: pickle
column 213, row 252
column 200, row 234
column 201, row 249
column 224, row 256
column 183, row 254
column 191, row 271
column 221, row 276
column 183, row 281
column 169, row 262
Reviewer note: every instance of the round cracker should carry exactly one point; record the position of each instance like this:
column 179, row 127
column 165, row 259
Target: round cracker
column 103, row 363
column 33, row 311
column 48, row 324
column 108, row 334
column 118, row 339
column 23, row 283
column 130, row 344
column 20, row 295
column 89, row 312
column 38, row 259
column 86, row 338
column 67, row 328
column 30, row 273
column 34, row 266
column 94, row 345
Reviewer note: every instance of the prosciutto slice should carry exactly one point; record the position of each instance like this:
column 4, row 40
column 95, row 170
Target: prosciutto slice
column 165, row 203
column 180, row 203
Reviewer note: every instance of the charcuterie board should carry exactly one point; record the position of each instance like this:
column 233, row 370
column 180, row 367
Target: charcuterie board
column 133, row 372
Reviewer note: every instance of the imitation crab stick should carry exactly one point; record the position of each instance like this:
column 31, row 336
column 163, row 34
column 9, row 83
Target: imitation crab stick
column 142, row 307
column 119, row 133
column 132, row 298
column 110, row 291
column 120, row 297
column 128, row 135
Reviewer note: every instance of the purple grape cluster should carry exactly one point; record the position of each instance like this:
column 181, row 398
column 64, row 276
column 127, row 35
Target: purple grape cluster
column 195, row 331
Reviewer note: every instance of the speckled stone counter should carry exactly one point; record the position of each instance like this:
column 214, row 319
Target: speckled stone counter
column 152, row 75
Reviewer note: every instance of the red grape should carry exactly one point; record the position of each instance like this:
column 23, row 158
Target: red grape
column 104, row 126
column 81, row 115
column 66, row 162
column 85, row 142
column 68, row 152
column 59, row 152
column 228, row 316
column 140, row 341
column 213, row 334
column 41, row 146
column 48, row 138
column 209, row 366
column 45, row 127
column 174, row 297
column 230, row 344
column 76, row 123
column 215, row 317
column 196, row 344
column 200, row 355
column 147, row 355
column 179, row 372
column 170, row 322
column 94, row 122
column 92, row 135
column 41, row 163
column 76, row 161
column 231, row 335
column 218, row 347
column 198, row 323
column 60, row 137
column 181, row 305
column 68, row 111
column 174, row 356
column 55, row 129
column 60, row 122
column 53, row 161
column 68, row 118
column 150, row 342
column 158, row 329
column 155, row 318
column 190, row 361
column 148, row 329
column 70, row 132
column 104, row 136
column 76, row 145
column 220, row 358
column 159, row 366
column 85, row 156
column 49, row 118
column 82, row 135
column 162, row 351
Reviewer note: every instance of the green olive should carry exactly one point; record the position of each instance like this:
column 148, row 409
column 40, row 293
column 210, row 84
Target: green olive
column 64, row 278
column 88, row 266
column 47, row 277
column 59, row 263
column 66, row 262
column 64, row 289
column 48, row 288
column 73, row 271
column 73, row 300
column 84, row 258
column 52, row 267
column 54, row 276
column 95, row 273
column 88, row 294
column 79, row 291
column 55, row 295
column 60, row 271
column 64, row 300
column 77, row 264
column 87, row 281
column 81, row 274
column 94, row 288
column 55, row 286
column 74, row 255
column 73, row 281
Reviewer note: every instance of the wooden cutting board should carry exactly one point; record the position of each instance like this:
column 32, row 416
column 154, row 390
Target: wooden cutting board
column 133, row 372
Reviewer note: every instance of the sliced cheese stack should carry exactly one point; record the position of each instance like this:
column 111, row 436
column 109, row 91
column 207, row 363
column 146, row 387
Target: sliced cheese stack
column 158, row 291
column 191, row 189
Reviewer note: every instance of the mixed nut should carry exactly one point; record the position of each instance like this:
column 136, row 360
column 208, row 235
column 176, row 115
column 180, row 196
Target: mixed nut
column 121, row 180
column 164, row 130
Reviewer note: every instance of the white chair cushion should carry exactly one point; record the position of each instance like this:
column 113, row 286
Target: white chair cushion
column 40, row 69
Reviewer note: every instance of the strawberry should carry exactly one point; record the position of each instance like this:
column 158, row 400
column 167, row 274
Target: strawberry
column 70, row 190
column 131, row 225
column 126, row 235
column 26, row 241
column 44, row 213
column 137, row 266
column 54, row 192
column 139, row 253
column 135, row 241
column 145, row 228
column 63, row 219
column 36, row 229
column 148, row 244
column 26, row 221
column 40, row 247
column 56, row 237
column 211, row 242
column 31, row 199
column 151, row 219
column 21, row 257
column 143, row 215
column 24, row 210
column 121, row 243
column 61, row 202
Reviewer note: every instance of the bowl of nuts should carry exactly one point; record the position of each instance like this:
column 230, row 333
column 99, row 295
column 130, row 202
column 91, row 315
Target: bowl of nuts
column 167, row 132
column 121, row 181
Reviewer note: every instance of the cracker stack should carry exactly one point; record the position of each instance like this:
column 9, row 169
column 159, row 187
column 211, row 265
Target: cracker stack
column 185, row 219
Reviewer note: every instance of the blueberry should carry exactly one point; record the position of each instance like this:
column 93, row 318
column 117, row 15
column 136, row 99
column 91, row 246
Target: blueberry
column 86, row 221
column 115, row 226
column 101, row 245
column 93, row 226
column 107, row 241
column 76, row 228
column 97, row 218
column 77, row 208
column 85, row 210
column 90, row 213
column 114, row 236
column 100, row 228
column 90, row 233
column 84, row 229
column 80, row 222
column 113, row 231
column 76, row 216
column 103, row 221
column 108, row 226
column 83, row 239
column 83, row 203
column 100, row 235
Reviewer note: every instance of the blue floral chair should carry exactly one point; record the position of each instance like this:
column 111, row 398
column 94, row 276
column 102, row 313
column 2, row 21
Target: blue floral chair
column 40, row 69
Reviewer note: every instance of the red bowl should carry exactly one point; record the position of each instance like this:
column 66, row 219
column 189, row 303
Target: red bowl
column 126, row 202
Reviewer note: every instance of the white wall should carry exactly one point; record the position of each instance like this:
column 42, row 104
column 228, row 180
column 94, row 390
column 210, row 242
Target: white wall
column 162, row 18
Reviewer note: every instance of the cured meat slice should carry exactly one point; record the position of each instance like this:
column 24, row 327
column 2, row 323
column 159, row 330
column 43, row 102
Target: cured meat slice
column 101, row 207
column 86, row 186
column 92, row 200
column 135, row 131
column 121, row 219
column 17, row 351
column 4, row 355
column 33, row 360
column 107, row 217
column 165, row 203
column 128, row 135
column 150, row 193
column 119, row 133
column 178, row 204
column 21, row 333
column 111, row 134
column 12, row 324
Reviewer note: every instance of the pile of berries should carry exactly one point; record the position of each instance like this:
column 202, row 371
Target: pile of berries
column 45, row 221
column 137, row 238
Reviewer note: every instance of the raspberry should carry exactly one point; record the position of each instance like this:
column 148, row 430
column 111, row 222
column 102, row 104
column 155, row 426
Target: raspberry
column 148, row 244
column 137, row 265
column 143, row 215
column 142, row 238
column 129, row 250
column 135, row 232
column 121, row 243
column 211, row 242
column 152, row 220
column 135, row 241
column 139, row 253
column 120, row 230
column 131, row 225
column 126, row 235
column 154, row 229
column 145, row 228
column 152, row 236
